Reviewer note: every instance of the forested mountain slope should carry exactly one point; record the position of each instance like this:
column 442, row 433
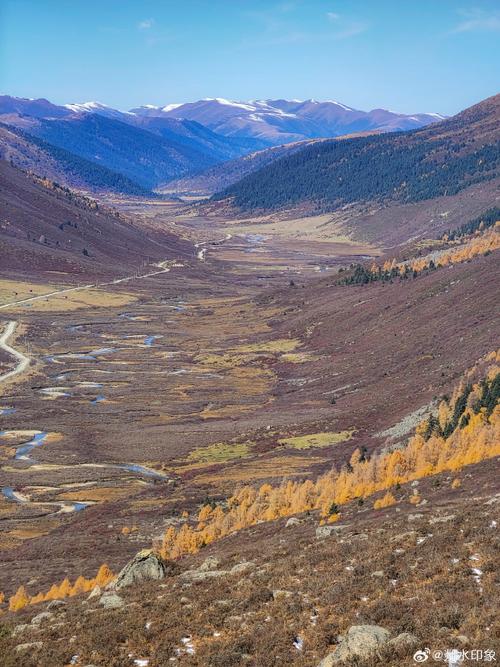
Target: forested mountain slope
column 404, row 167
column 96, row 147
column 141, row 156
column 106, row 150
column 225, row 174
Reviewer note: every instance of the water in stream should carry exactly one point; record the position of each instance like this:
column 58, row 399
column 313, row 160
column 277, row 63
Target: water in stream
column 23, row 451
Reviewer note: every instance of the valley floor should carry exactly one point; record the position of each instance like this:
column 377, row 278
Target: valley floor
column 236, row 366
column 142, row 402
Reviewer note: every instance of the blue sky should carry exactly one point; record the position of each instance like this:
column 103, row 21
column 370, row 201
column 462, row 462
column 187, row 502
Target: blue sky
column 406, row 55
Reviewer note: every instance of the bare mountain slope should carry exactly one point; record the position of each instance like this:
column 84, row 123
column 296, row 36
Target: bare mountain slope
column 45, row 227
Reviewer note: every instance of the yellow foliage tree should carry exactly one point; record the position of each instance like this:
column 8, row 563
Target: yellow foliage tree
column 52, row 593
column 81, row 585
column 19, row 600
column 385, row 501
column 474, row 439
column 104, row 576
column 64, row 588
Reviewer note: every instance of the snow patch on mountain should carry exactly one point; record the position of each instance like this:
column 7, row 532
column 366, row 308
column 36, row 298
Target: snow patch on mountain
column 229, row 103
column 94, row 107
column 170, row 107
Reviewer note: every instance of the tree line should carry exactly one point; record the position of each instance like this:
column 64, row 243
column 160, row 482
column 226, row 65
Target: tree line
column 469, row 432
column 405, row 167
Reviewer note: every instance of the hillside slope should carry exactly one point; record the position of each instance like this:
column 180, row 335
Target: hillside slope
column 104, row 149
column 223, row 175
column 145, row 158
column 45, row 227
column 406, row 167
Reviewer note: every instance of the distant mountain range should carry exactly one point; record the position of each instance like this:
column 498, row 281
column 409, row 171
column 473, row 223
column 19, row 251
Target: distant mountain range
column 142, row 149
column 282, row 121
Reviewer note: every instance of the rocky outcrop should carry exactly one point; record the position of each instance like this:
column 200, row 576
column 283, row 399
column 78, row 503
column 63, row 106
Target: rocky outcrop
column 30, row 646
column 111, row 600
column 95, row 593
column 293, row 521
column 21, row 629
column 210, row 563
column 325, row 531
column 361, row 641
column 207, row 570
column 364, row 641
column 55, row 604
column 144, row 566
column 404, row 640
column 202, row 575
column 42, row 617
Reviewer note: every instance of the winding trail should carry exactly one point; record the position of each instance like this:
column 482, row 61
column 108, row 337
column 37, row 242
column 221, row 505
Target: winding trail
column 163, row 267
column 65, row 507
column 22, row 360
column 201, row 254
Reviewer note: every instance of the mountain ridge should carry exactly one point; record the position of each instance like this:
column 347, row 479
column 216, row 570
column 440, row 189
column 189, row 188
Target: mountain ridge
column 279, row 121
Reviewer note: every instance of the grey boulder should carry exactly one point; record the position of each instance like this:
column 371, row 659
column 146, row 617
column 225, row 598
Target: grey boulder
column 40, row 618
column 360, row 641
column 111, row 601
column 292, row 521
column 144, row 566
column 325, row 531
column 404, row 640
column 30, row 646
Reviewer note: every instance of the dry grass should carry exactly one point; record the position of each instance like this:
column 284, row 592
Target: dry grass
column 406, row 574
column 277, row 345
column 220, row 452
column 226, row 411
column 99, row 494
column 15, row 290
column 316, row 440
column 299, row 357
column 281, row 466
column 245, row 354
column 85, row 298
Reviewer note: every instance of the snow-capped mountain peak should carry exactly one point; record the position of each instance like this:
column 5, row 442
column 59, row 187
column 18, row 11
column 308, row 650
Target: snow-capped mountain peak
column 87, row 107
column 170, row 107
column 98, row 108
column 229, row 103
column 278, row 121
column 267, row 121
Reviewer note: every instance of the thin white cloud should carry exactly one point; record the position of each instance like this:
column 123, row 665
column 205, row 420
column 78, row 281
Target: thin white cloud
column 146, row 24
column 278, row 27
column 474, row 20
column 345, row 27
column 351, row 30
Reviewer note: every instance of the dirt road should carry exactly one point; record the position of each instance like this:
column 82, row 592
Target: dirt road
column 22, row 360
